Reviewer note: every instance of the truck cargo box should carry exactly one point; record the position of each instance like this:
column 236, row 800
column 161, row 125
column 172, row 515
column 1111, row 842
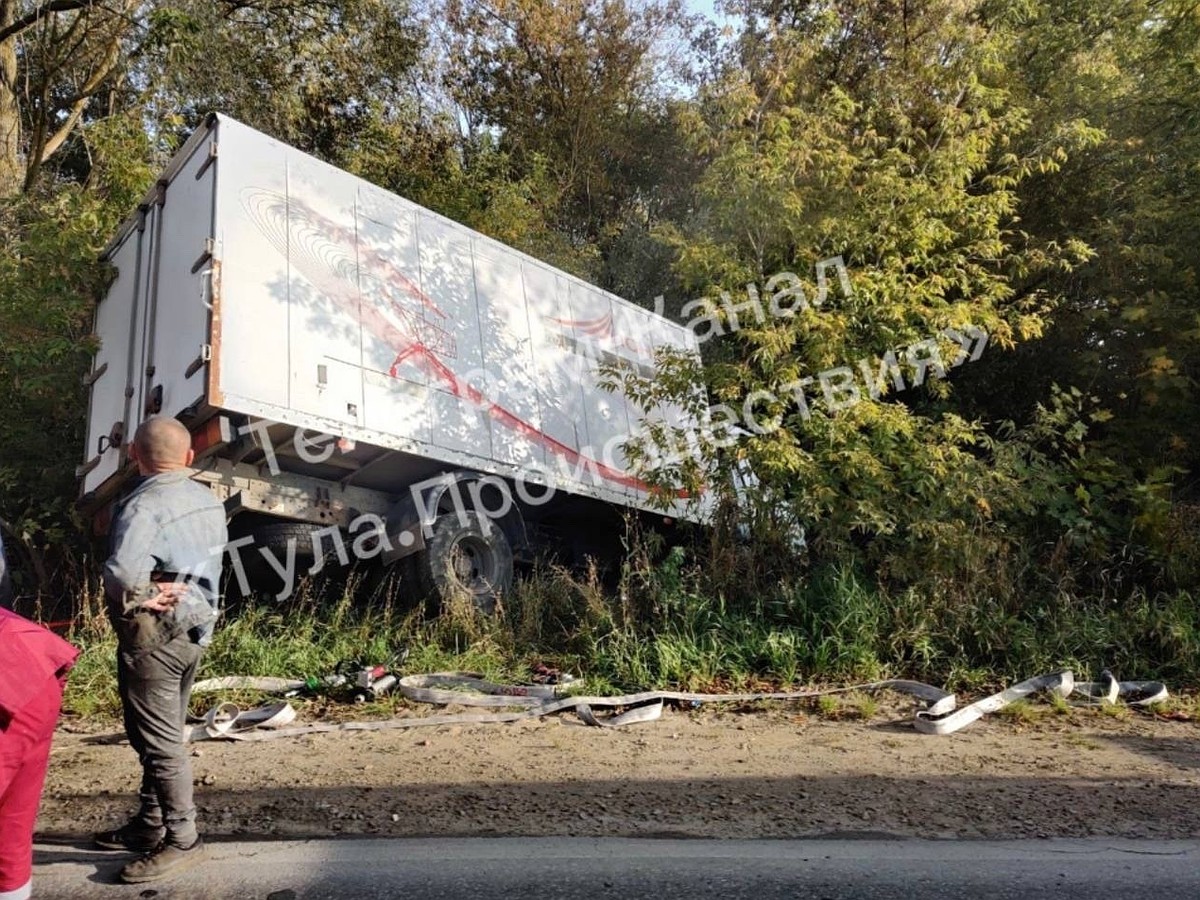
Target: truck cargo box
column 258, row 282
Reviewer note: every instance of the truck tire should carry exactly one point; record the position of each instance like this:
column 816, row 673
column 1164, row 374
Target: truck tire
column 465, row 556
column 275, row 536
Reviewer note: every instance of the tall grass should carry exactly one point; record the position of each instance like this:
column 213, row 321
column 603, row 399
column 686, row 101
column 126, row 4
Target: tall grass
column 665, row 626
column 316, row 634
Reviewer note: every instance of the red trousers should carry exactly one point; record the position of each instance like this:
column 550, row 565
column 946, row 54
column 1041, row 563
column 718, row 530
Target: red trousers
column 24, row 753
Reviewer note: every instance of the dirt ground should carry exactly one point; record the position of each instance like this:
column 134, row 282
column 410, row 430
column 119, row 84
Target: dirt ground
column 759, row 771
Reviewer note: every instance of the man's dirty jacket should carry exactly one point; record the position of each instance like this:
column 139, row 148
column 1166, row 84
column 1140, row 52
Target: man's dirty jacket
column 169, row 529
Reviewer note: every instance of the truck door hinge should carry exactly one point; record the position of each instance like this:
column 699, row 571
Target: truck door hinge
column 89, row 380
column 210, row 245
column 211, row 158
column 199, row 362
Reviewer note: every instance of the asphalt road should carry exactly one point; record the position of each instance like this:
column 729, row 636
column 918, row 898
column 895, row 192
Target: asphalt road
column 568, row 868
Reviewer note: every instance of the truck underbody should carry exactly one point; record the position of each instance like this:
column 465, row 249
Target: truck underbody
column 300, row 504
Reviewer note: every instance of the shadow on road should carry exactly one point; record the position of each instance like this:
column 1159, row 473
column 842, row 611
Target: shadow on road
column 930, row 805
column 1181, row 752
column 96, row 866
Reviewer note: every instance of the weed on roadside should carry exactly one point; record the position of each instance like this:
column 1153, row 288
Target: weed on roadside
column 668, row 625
column 847, row 707
column 1022, row 712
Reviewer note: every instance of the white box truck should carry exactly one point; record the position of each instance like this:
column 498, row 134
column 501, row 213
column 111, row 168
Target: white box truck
column 342, row 356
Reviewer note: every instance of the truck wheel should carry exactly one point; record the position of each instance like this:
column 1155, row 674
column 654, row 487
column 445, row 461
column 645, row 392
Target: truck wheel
column 465, row 556
column 275, row 536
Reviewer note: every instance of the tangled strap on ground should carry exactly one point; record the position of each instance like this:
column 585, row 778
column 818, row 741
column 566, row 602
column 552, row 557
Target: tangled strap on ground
column 940, row 715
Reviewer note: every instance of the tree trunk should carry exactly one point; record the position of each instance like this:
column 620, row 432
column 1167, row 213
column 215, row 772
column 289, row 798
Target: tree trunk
column 12, row 172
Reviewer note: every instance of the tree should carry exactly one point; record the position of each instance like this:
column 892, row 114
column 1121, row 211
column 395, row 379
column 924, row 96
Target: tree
column 313, row 73
column 1126, row 329
column 571, row 87
column 884, row 133
column 49, row 282
column 55, row 58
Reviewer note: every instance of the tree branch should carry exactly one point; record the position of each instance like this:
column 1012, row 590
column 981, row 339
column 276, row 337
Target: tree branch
column 31, row 18
column 59, row 138
column 43, row 151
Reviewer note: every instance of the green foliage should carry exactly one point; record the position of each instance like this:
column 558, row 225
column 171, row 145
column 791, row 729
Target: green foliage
column 1126, row 327
column 314, row 635
column 667, row 629
column 50, row 280
column 911, row 178
column 316, row 74
column 569, row 85
column 1024, row 166
column 912, row 146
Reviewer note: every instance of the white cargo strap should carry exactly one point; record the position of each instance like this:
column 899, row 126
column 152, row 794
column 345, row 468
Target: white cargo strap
column 1062, row 684
column 228, row 720
column 939, row 717
column 246, row 683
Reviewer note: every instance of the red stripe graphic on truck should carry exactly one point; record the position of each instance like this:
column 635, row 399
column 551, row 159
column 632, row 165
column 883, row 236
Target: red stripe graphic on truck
column 602, row 326
column 317, row 248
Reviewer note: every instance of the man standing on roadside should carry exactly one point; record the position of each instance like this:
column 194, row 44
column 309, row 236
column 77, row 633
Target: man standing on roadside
column 161, row 584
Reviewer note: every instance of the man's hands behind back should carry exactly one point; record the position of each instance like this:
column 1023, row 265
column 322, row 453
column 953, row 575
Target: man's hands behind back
column 168, row 596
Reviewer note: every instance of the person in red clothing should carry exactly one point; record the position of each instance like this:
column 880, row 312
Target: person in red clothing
column 33, row 670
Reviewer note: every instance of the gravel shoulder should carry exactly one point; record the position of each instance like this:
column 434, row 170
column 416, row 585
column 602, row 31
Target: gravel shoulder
column 754, row 772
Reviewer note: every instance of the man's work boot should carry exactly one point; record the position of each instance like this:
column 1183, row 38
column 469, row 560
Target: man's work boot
column 130, row 836
column 162, row 862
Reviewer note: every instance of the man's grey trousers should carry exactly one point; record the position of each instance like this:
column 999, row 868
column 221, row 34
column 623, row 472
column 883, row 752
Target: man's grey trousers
column 155, row 686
